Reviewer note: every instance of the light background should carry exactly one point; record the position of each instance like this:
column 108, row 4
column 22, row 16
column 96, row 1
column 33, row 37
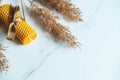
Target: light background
column 46, row 59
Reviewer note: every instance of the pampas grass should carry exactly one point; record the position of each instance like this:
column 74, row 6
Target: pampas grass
column 64, row 7
column 51, row 25
column 3, row 60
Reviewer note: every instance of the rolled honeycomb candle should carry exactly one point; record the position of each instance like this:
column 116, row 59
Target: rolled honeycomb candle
column 24, row 31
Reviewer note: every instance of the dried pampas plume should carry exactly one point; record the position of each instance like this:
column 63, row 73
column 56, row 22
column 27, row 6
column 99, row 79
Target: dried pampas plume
column 3, row 60
column 51, row 25
column 64, row 7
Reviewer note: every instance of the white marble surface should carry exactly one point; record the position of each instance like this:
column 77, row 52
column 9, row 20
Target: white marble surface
column 46, row 59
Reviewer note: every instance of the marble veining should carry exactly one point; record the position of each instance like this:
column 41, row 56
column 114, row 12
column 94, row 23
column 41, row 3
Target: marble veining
column 47, row 59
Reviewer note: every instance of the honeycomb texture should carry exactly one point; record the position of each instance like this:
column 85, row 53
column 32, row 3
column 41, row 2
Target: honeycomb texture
column 24, row 31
